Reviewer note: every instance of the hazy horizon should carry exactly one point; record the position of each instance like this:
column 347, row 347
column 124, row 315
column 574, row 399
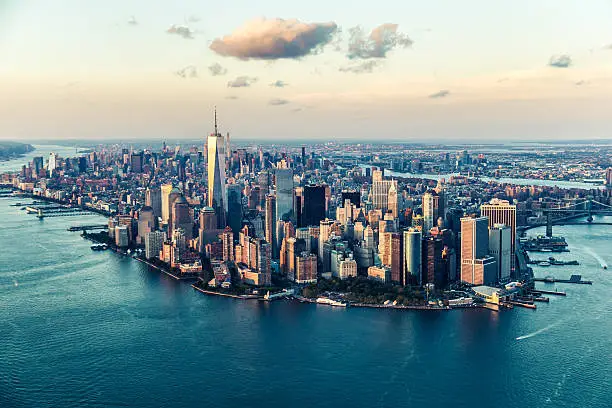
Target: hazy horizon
column 409, row 71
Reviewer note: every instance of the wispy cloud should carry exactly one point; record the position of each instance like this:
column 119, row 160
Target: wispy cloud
column 231, row 97
column 272, row 39
column 581, row 82
column 217, row 69
column 365, row 67
column 279, row 84
column 181, row 30
column 132, row 21
column 190, row 71
column 193, row 19
column 560, row 61
column 277, row 102
column 440, row 94
column 242, row 82
column 378, row 43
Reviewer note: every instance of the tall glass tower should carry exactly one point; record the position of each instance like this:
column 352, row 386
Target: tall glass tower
column 216, row 175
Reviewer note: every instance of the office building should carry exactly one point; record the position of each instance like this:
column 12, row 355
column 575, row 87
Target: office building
column 227, row 238
column 181, row 217
column 500, row 248
column 216, row 175
column 234, row 208
column 154, row 242
column 477, row 267
column 412, row 257
column 122, row 237
column 431, row 205
column 284, row 193
column 153, row 199
column 306, row 268
column 313, row 206
column 146, row 223
column 502, row 212
column 270, row 224
column 380, row 193
column 353, row 196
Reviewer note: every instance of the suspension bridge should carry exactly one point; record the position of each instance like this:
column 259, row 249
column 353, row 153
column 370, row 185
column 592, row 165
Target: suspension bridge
column 570, row 213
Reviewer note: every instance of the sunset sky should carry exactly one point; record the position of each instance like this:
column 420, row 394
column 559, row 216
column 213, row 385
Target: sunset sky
column 327, row 70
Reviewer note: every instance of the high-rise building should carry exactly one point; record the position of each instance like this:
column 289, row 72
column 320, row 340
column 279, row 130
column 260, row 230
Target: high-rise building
column 52, row 164
column 412, row 257
column 227, row 237
column 122, row 237
column 284, row 193
column 432, row 266
column 380, row 193
column 146, row 223
column 306, row 268
column 324, row 233
column 181, row 217
column 270, row 227
column 500, row 248
column 431, row 205
column 313, row 205
column 502, row 212
column 216, row 175
column 154, row 242
column 166, row 204
column 153, row 198
column 136, row 162
column 234, row 208
column 609, row 177
column 353, row 196
column 392, row 201
column 477, row 267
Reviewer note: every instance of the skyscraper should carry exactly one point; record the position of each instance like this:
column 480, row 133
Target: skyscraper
column 270, row 227
column 431, row 203
column 380, row 193
column 153, row 198
column 353, row 196
column 136, row 161
column 181, row 217
column 216, row 175
column 313, row 205
column 146, row 223
column 284, row 193
column 500, row 248
column 166, row 204
column 154, row 242
column 412, row 256
column 502, row 212
column 477, row 267
column 234, row 208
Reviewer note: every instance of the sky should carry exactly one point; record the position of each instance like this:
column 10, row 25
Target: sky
column 401, row 70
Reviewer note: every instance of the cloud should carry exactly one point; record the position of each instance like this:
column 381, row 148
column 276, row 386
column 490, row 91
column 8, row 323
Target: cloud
column 272, row 39
column 279, row 84
column 190, row 71
column 581, row 82
column 181, row 30
column 231, row 97
column 278, row 102
column 132, row 21
column 560, row 61
column 193, row 19
column 381, row 40
column 217, row 69
column 440, row 94
column 242, row 82
column 365, row 67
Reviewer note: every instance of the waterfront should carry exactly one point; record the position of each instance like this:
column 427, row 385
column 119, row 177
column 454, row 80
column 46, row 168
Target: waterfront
column 84, row 328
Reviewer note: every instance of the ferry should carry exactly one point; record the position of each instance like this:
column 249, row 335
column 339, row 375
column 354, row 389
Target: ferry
column 331, row 302
column 99, row 247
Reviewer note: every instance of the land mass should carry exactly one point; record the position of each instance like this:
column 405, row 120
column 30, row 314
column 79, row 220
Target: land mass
column 10, row 150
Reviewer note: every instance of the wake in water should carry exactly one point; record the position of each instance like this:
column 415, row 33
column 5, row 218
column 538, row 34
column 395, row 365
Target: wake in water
column 601, row 261
column 535, row 333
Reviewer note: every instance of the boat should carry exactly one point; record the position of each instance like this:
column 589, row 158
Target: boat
column 544, row 263
column 546, row 250
column 331, row 302
column 99, row 247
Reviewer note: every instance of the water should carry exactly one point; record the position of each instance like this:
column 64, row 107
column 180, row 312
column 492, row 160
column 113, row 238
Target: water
column 93, row 329
column 42, row 151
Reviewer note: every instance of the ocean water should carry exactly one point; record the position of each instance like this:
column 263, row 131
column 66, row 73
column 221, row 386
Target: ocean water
column 80, row 328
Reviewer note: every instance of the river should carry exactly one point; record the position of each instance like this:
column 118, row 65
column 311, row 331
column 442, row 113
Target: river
column 94, row 329
column 40, row 150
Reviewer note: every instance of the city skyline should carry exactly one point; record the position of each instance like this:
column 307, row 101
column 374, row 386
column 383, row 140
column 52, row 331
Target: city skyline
column 414, row 72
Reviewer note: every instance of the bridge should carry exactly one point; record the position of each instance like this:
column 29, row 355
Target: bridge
column 567, row 214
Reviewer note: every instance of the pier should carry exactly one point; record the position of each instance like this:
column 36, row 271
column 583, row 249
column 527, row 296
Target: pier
column 577, row 279
column 88, row 227
column 548, row 292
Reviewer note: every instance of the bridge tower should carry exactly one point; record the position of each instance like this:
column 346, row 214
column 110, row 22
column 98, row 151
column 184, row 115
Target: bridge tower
column 589, row 209
column 549, row 224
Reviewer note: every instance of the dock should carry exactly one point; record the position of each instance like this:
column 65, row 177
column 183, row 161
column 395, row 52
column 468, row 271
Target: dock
column 577, row 279
column 548, row 292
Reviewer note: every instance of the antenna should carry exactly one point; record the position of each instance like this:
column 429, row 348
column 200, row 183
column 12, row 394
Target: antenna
column 216, row 131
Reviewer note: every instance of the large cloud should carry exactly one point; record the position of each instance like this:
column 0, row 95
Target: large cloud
column 242, row 82
column 271, row 39
column 381, row 40
column 560, row 61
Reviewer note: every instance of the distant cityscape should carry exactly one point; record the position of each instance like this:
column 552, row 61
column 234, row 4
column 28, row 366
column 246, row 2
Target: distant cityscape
column 369, row 225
